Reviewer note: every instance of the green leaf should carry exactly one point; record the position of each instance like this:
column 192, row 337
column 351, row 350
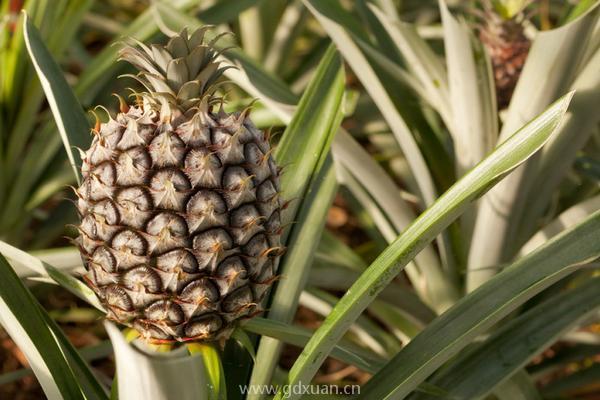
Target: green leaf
column 90, row 385
column 424, row 64
column 552, row 64
column 363, row 331
column 32, row 166
column 332, row 249
column 213, row 367
column 76, row 358
column 572, row 383
column 146, row 374
column 581, row 8
column 251, row 33
column 481, row 309
column 44, row 269
column 396, row 321
column 62, row 258
column 225, row 11
column 23, row 319
column 308, row 136
column 520, row 386
column 424, row 272
column 237, row 364
column 385, row 192
column 240, row 336
column 475, row 373
column 474, row 120
column 295, row 267
column 336, row 22
column 446, row 209
column 366, row 202
column 311, row 178
column 344, row 351
column 376, row 89
column 63, row 28
column 402, row 297
column 288, row 30
column 68, row 114
column 114, row 389
column 49, row 187
column 566, row 219
column 557, row 158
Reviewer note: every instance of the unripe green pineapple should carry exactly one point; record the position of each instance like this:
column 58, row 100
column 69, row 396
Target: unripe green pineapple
column 180, row 205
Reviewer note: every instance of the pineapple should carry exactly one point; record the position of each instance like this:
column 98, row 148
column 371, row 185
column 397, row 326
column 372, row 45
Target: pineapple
column 179, row 202
column 502, row 34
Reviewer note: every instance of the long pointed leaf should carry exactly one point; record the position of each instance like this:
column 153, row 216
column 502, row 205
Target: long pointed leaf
column 44, row 269
column 566, row 219
column 421, row 60
column 376, row 89
column 68, row 114
column 481, row 309
column 474, row 374
column 308, row 136
column 332, row 17
column 449, row 206
column 91, row 387
column 556, row 159
column 157, row 376
column 304, row 146
column 550, row 68
column 344, row 351
column 295, row 268
column 474, row 124
column 22, row 317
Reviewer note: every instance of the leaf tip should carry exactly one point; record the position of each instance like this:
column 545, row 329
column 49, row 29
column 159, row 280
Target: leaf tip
column 25, row 18
column 565, row 101
column 569, row 96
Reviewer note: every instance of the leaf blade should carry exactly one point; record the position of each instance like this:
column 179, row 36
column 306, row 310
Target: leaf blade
column 151, row 376
column 23, row 319
column 448, row 207
column 485, row 306
column 305, row 146
column 364, row 71
column 70, row 119
column 473, row 375
column 550, row 69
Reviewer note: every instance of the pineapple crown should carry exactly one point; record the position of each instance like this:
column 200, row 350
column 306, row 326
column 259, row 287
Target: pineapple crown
column 501, row 22
column 181, row 73
column 505, row 10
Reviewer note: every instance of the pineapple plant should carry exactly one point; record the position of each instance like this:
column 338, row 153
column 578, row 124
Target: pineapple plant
column 503, row 35
column 179, row 203
column 158, row 231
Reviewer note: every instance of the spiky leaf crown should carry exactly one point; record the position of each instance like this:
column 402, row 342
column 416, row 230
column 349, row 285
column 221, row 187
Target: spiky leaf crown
column 507, row 9
column 181, row 73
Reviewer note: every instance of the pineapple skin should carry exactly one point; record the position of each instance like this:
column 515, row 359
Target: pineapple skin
column 508, row 48
column 179, row 205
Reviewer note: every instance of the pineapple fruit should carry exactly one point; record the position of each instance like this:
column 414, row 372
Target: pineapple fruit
column 502, row 33
column 179, row 203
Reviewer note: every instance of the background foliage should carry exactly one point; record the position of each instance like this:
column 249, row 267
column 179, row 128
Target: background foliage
column 439, row 246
